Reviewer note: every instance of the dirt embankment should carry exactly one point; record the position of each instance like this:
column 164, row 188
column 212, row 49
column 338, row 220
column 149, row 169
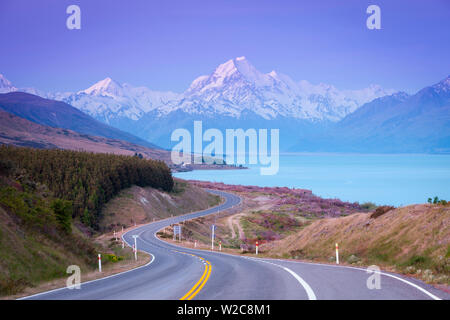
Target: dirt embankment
column 138, row 205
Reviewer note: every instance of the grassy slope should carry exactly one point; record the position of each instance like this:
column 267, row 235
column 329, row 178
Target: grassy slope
column 32, row 251
column 410, row 239
column 29, row 258
column 35, row 250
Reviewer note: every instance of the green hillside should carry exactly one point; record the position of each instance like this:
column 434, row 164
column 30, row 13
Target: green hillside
column 51, row 201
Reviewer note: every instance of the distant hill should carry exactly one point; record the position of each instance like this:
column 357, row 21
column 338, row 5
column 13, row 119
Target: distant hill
column 58, row 114
column 395, row 123
column 21, row 132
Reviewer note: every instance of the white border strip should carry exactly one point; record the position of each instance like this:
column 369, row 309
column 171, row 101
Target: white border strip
column 364, row 270
column 90, row 281
column 305, row 285
column 302, row 282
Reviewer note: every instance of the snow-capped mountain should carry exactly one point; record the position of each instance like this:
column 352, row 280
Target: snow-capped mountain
column 310, row 117
column 399, row 123
column 109, row 101
column 233, row 88
column 234, row 95
column 6, row 85
column 237, row 85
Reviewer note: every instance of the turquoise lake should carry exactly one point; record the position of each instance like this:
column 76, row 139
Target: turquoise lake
column 382, row 179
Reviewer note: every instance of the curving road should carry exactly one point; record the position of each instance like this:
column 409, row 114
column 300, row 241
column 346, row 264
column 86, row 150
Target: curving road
column 180, row 273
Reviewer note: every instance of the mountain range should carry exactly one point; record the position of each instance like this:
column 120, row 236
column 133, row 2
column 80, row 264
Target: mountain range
column 233, row 88
column 310, row 117
column 396, row 123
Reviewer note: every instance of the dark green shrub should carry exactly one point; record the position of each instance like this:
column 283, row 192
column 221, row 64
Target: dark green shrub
column 380, row 211
column 63, row 213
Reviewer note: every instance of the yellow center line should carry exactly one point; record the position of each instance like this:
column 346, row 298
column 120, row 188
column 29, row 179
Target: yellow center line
column 200, row 283
column 203, row 283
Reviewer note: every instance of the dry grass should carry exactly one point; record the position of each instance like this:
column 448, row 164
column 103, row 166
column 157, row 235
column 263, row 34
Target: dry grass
column 410, row 239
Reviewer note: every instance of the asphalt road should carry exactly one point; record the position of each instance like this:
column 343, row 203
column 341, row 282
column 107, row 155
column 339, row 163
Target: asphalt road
column 179, row 273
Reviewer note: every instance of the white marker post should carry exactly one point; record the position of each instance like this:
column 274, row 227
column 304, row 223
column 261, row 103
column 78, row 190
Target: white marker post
column 337, row 254
column 123, row 244
column 220, row 245
column 135, row 246
column 99, row 262
column 256, row 247
column 212, row 237
column 195, row 243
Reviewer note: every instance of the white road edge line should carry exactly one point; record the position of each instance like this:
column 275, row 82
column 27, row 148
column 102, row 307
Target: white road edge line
column 318, row 264
column 117, row 274
column 90, row 281
column 305, row 285
column 364, row 270
column 107, row 277
column 322, row 265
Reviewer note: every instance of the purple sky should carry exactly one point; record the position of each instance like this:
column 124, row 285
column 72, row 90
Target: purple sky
column 165, row 44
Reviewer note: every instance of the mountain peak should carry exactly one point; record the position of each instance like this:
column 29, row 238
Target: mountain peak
column 6, row 85
column 240, row 67
column 228, row 68
column 4, row 81
column 442, row 86
column 106, row 86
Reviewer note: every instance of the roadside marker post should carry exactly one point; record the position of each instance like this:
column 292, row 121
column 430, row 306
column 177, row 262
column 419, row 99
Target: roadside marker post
column 195, row 243
column 337, row 254
column 213, row 227
column 220, row 245
column 99, row 262
column 135, row 236
column 177, row 231
column 256, row 247
column 123, row 245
